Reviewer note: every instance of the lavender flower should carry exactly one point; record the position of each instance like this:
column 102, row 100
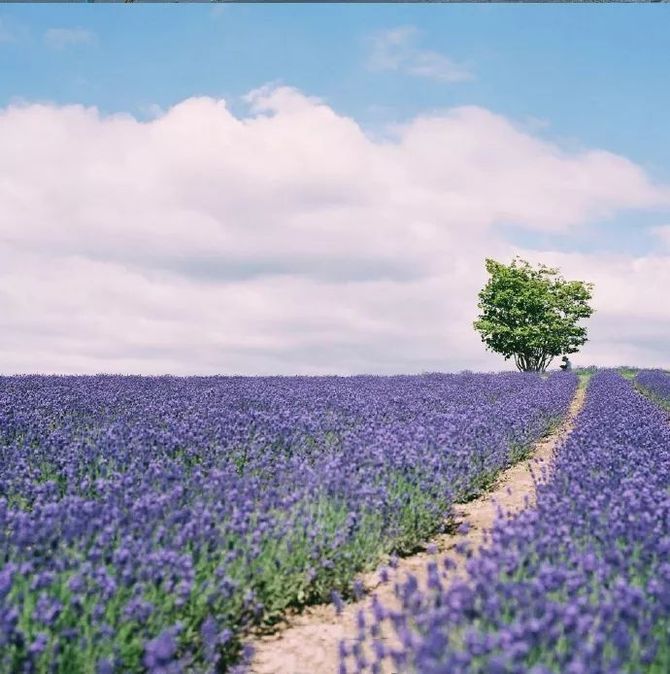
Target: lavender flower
column 130, row 504
column 578, row 583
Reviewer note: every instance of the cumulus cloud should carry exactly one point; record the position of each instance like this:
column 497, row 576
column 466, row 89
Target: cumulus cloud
column 60, row 38
column 395, row 49
column 286, row 240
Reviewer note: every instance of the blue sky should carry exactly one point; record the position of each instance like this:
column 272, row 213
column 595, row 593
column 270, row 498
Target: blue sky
column 580, row 77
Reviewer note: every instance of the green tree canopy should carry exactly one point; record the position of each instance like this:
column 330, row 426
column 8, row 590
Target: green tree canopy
column 532, row 314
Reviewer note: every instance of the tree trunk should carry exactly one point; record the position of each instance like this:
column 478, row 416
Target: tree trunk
column 532, row 362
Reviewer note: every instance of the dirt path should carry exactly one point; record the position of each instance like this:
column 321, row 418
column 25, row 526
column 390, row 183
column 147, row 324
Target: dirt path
column 309, row 642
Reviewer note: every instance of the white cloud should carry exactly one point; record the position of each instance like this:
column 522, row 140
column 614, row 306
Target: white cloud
column 395, row 50
column 60, row 38
column 288, row 240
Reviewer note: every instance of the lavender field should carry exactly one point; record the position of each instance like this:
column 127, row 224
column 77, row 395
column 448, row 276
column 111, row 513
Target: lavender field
column 578, row 584
column 147, row 523
column 212, row 216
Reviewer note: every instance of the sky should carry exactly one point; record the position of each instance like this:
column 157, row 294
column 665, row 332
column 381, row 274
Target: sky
column 313, row 189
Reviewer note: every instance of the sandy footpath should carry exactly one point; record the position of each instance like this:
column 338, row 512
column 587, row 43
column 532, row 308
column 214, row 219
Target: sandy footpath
column 308, row 642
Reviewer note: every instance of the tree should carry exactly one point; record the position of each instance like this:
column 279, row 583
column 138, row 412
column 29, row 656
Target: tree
column 532, row 314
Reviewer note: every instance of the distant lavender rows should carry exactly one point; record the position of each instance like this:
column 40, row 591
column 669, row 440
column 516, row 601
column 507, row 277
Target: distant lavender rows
column 578, row 585
column 655, row 383
column 145, row 523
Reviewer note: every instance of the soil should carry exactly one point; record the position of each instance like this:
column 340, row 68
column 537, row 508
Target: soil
column 308, row 642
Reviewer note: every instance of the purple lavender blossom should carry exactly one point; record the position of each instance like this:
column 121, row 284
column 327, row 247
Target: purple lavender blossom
column 579, row 583
column 131, row 504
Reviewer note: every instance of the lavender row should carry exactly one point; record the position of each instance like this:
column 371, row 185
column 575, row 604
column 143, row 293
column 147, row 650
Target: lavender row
column 578, row 584
column 146, row 523
column 656, row 384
